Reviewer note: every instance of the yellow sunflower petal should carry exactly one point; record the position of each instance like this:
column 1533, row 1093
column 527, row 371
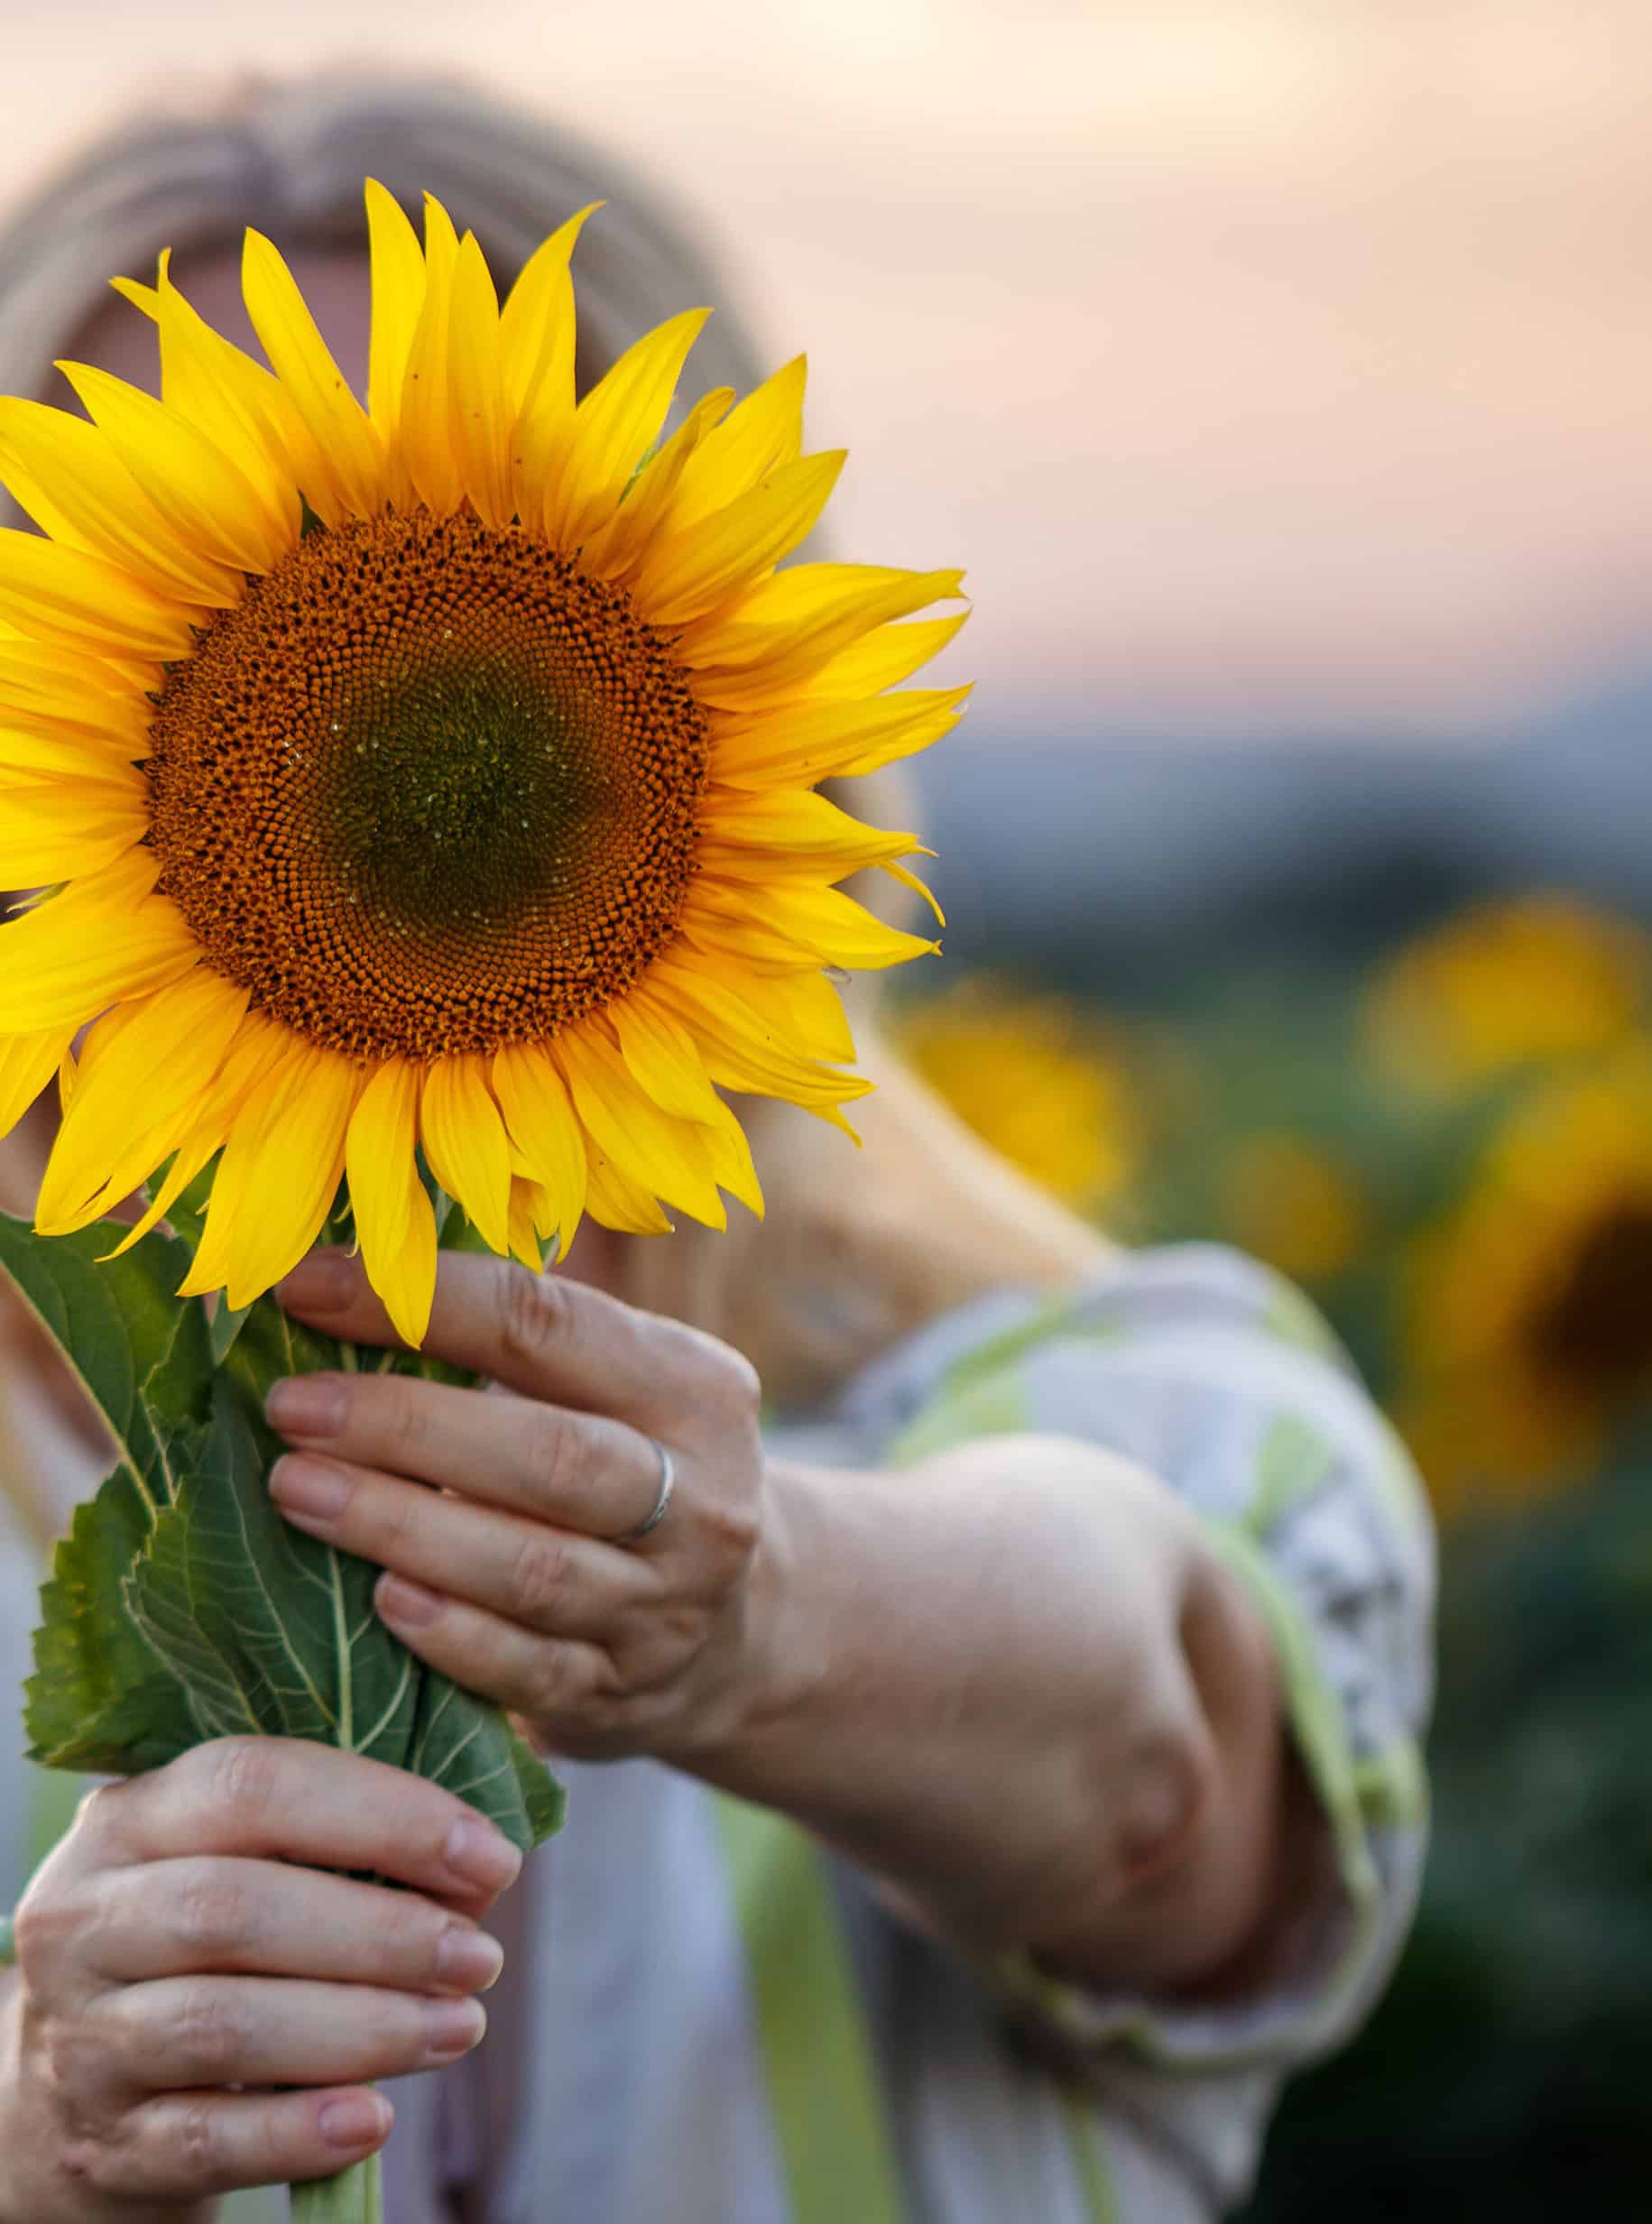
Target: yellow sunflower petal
column 732, row 1166
column 58, row 756
column 536, row 325
column 525, row 1245
column 647, row 1147
column 69, row 477
column 809, row 1007
column 616, row 426
column 27, row 1063
column 206, row 499
column 661, row 1055
column 479, row 432
column 693, row 571
column 61, row 596
column 829, row 741
column 920, row 887
column 234, row 401
column 427, row 439
column 259, row 1047
column 102, row 939
column 542, row 1126
column 465, row 1141
column 277, row 1178
column 53, row 691
column 615, row 548
column 341, row 467
column 796, row 923
column 187, row 1162
column 764, row 433
column 537, row 346
column 54, row 830
column 789, row 1022
column 615, row 1200
column 883, row 658
column 393, row 1219
column 752, row 663
column 398, row 300
column 792, row 828
column 139, row 1084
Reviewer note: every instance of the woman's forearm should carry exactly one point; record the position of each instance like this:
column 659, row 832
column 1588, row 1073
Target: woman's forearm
column 1013, row 1682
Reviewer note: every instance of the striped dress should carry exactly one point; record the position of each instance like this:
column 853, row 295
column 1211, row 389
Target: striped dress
column 705, row 2019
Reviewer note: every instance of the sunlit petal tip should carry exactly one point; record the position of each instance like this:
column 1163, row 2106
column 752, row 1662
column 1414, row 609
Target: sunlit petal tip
column 918, row 887
column 142, row 296
column 465, row 1141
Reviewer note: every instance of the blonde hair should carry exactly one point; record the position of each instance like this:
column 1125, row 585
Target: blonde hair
column 291, row 158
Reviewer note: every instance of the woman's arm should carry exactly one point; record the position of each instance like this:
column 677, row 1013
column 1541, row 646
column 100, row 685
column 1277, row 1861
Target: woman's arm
column 1011, row 1681
column 1015, row 1683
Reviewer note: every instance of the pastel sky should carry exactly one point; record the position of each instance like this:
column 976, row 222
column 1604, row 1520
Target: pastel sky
column 1272, row 364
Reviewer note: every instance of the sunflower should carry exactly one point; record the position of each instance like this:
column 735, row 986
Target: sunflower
column 1526, row 981
column 1527, row 1312
column 1033, row 1077
column 1296, row 1204
column 426, row 787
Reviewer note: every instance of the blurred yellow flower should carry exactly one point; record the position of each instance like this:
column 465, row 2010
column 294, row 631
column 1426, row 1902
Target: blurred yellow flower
column 1293, row 1204
column 1035, row 1077
column 1506, row 984
column 1527, row 1313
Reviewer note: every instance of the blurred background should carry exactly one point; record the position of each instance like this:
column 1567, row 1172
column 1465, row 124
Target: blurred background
column 1281, row 372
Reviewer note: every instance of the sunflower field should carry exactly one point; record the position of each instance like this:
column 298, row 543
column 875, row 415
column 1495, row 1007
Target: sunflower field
column 1449, row 1146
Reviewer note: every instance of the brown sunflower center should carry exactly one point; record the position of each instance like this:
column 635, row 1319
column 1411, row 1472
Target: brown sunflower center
column 1595, row 1326
column 428, row 789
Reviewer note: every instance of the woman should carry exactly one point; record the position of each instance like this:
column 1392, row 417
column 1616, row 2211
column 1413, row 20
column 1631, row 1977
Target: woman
column 986, row 1780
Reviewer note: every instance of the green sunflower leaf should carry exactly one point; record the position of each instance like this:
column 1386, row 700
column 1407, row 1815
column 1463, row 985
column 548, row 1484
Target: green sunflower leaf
column 181, row 1606
column 99, row 1699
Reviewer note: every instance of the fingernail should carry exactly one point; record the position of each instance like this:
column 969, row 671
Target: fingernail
column 469, row 1961
column 481, row 1855
column 325, row 1282
column 312, row 1488
column 306, row 1405
column 355, row 2119
column 453, row 2027
column 411, row 1604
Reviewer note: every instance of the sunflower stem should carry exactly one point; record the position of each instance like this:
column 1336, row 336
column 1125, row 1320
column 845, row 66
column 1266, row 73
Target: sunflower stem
column 356, row 2196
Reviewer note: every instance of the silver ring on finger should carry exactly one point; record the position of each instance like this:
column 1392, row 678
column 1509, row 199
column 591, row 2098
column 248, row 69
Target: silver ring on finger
column 668, row 1484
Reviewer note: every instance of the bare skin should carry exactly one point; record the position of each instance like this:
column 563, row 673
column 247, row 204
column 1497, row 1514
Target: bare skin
column 171, row 1950
column 1012, row 1681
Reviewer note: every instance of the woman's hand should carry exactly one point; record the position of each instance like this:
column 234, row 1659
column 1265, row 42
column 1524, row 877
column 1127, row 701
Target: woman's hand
column 522, row 1575
column 173, row 1951
column 1010, row 1681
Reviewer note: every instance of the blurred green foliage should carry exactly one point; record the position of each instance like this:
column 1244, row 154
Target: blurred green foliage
column 1275, row 1105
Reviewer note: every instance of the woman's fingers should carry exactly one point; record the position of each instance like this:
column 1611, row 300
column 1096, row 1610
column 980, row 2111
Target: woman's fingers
column 577, row 1470
column 549, row 1579
column 176, row 2032
column 184, row 2148
column 208, row 1914
column 288, row 1798
column 570, row 1690
column 547, row 1337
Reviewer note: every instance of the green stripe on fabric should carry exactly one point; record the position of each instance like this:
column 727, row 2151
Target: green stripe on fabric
column 1293, row 1462
column 1292, row 1319
column 833, row 2136
column 998, row 1406
column 1315, row 1714
column 1085, row 2136
column 1393, row 1788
